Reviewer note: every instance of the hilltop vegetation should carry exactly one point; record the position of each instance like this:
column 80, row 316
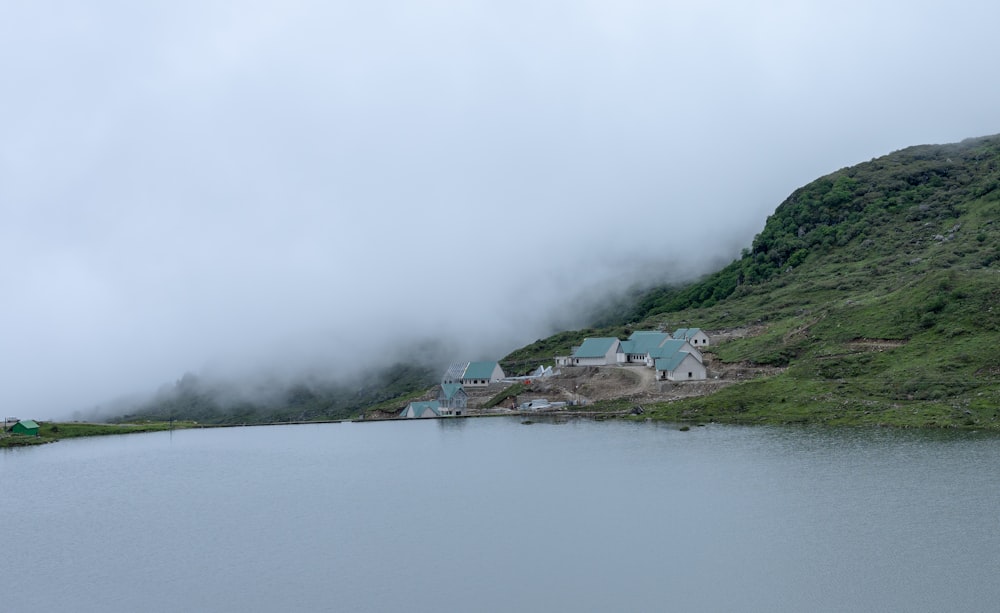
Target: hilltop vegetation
column 877, row 286
column 936, row 203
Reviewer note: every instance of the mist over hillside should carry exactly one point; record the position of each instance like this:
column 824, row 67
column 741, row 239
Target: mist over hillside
column 303, row 190
column 901, row 252
column 871, row 296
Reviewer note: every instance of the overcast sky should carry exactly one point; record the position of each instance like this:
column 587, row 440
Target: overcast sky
column 234, row 186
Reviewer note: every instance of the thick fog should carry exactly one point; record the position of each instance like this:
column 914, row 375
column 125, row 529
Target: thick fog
column 264, row 186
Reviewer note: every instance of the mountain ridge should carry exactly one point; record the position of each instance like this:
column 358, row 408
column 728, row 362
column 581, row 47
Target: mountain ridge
column 902, row 249
column 872, row 287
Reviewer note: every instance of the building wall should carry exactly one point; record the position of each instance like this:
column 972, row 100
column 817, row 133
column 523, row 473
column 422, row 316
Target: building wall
column 475, row 382
column 591, row 361
column 693, row 351
column 699, row 340
column 496, row 375
column 610, row 357
column 20, row 428
column 688, row 365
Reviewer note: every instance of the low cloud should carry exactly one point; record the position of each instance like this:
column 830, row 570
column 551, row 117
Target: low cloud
column 310, row 187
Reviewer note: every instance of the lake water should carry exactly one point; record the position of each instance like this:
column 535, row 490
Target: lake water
column 496, row 515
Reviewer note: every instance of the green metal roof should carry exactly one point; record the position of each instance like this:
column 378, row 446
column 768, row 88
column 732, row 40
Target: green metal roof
column 479, row 370
column 595, row 347
column 671, row 362
column 668, row 348
column 644, row 341
column 28, row 423
column 450, row 389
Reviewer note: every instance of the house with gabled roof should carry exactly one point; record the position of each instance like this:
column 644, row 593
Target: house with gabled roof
column 27, row 427
column 481, row 374
column 453, row 398
column 596, row 352
column 680, row 366
column 636, row 349
column 695, row 336
column 670, row 347
column 422, row 410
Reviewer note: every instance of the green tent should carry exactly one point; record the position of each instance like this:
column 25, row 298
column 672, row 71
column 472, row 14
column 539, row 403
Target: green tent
column 26, row 427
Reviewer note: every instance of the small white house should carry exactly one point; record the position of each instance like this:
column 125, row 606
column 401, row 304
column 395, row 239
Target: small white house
column 669, row 348
column 422, row 410
column 695, row 336
column 681, row 366
column 596, row 352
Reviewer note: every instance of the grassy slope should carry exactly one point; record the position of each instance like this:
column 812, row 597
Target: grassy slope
column 903, row 248
column 49, row 432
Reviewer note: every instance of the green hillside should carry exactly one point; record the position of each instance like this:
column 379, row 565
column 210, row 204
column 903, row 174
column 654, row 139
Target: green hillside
column 876, row 289
column 877, row 286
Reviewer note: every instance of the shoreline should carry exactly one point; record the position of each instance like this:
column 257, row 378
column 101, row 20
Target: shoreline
column 52, row 432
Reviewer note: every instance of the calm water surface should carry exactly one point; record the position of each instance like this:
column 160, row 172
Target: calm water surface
column 494, row 515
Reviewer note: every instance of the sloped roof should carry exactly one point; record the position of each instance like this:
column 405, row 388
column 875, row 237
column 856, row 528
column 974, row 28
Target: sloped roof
column 686, row 333
column 644, row 341
column 595, row 347
column 28, row 423
column 671, row 362
column 479, row 370
column 419, row 408
column 450, row 389
column 668, row 348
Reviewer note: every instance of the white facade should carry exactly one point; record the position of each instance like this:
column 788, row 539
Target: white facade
column 650, row 361
column 689, row 369
column 481, row 374
column 699, row 339
column 605, row 361
column 596, row 352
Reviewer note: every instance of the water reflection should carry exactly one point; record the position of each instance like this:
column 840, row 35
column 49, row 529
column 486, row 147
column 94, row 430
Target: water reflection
column 494, row 515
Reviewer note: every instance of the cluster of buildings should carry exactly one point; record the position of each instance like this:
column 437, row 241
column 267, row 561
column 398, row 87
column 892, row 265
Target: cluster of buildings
column 675, row 357
column 452, row 398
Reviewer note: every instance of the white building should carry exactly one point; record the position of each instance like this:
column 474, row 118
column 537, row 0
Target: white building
column 596, row 352
column 681, row 366
column 669, row 348
column 481, row 374
column 695, row 336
